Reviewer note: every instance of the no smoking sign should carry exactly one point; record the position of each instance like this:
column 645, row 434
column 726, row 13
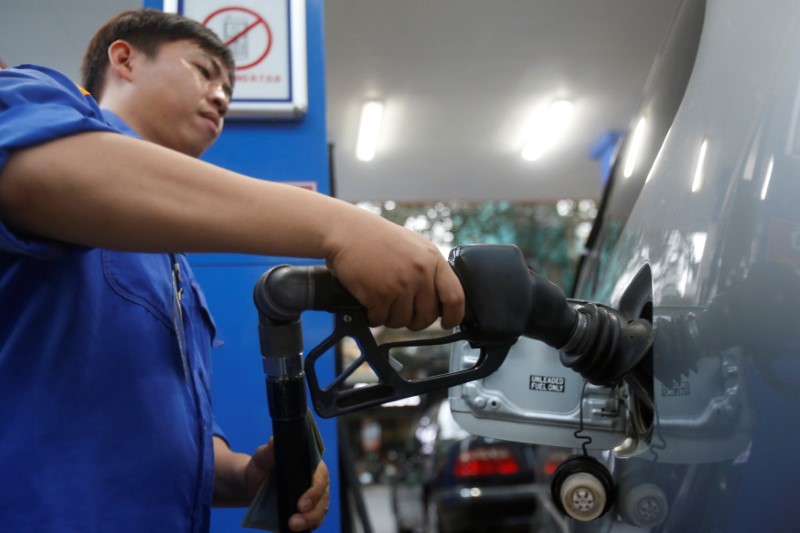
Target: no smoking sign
column 245, row 32
column 267, row 40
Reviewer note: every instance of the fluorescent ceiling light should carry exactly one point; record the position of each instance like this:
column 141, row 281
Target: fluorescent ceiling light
column 369, row 130
column 547, row 129
column 635, row 148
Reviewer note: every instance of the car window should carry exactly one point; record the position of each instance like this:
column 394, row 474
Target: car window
column 639, row 149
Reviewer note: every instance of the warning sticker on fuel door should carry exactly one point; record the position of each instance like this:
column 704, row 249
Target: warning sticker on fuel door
column 547, row 383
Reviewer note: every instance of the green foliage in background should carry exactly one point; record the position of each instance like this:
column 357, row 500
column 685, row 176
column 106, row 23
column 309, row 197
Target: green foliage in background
column 550, row 235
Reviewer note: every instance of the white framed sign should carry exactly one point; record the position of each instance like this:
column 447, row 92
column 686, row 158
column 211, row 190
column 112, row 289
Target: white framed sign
column 268, row 42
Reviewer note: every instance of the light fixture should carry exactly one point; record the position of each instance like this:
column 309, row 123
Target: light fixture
column 547, row 129
column 635, row 148
column 369, row 130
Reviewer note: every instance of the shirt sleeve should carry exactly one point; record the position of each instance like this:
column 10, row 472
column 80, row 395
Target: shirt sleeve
column 37, row 105
column 217, row 431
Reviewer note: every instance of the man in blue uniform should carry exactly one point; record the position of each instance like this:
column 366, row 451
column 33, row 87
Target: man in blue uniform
column 105, row 411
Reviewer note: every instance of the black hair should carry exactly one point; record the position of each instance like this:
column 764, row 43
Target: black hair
column 146, row 30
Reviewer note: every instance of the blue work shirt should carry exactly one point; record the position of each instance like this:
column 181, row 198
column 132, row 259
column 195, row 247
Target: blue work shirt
column 105, row 417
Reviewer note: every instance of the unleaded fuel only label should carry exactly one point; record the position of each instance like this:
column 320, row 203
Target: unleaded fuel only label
column 677, row 389
column 547, row 383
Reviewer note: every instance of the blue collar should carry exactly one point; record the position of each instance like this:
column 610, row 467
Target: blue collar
column 113, row 120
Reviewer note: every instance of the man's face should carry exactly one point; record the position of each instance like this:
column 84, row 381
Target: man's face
column 185, row 92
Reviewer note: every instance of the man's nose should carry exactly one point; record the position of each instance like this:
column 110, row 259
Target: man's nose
column 219, row 98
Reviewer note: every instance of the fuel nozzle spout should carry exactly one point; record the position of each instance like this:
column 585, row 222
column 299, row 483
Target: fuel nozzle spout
column 604, row 347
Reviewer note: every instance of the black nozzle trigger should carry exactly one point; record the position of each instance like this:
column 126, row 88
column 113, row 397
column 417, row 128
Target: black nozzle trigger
column 339, row 397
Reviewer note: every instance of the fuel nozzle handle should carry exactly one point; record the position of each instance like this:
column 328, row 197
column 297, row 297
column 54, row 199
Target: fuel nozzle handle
column 283, row 293
column 514, row 301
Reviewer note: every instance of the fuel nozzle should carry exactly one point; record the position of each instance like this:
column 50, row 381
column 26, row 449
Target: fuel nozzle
column 504, row 299
column 593, row 340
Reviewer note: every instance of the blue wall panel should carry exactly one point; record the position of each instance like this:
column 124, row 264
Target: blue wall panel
column 240, row 403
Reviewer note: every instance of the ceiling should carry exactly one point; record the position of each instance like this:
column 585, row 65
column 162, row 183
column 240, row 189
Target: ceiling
column 458, row 78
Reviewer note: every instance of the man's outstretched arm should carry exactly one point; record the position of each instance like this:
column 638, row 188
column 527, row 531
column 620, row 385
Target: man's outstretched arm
column 108, row 190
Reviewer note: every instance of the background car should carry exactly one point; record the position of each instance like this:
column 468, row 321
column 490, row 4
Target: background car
column 467, row 483
column 482, row 484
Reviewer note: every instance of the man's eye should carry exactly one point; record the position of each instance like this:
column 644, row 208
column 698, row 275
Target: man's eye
column 204, row 71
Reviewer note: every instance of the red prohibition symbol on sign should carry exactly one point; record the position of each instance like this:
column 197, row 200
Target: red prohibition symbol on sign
column 259, row 21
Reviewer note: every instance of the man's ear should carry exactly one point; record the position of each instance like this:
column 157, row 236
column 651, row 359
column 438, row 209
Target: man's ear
column 120, row 59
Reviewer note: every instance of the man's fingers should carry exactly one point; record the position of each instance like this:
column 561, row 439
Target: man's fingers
column 377, row 315
column 451, row 295
column 417, row 307
column 401, row 311
column 406, row 284
column 313, row 504
column 426, row 309
column 264, row 456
